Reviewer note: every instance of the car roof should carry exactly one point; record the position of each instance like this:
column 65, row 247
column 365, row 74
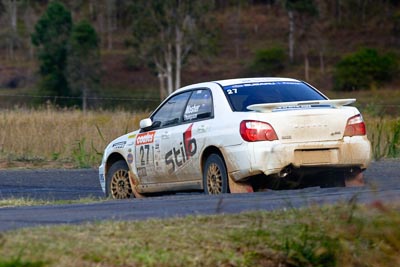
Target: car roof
column 229, row 82
column 254, row 80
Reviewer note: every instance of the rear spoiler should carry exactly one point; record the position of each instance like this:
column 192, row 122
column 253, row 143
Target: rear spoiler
column 269, row 107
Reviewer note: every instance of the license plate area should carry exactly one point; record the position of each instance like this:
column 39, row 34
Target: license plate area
column 316, row 156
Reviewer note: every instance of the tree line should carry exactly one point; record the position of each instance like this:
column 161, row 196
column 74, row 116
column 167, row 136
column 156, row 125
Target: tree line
column 66, row 36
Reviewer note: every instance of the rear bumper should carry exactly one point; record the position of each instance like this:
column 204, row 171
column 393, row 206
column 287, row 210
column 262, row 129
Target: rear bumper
column 271, row 157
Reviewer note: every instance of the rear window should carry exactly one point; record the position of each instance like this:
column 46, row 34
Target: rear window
column 241, row 96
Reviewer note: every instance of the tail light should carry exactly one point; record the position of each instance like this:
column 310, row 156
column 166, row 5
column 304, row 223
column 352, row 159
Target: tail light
column 253, row 131
column 355, row 126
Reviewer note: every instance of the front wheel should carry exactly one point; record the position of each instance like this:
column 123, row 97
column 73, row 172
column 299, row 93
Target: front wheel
column 215, row 178
column 117, row 181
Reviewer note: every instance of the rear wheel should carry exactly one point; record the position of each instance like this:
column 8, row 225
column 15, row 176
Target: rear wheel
column 117, row 181
column 215, row 178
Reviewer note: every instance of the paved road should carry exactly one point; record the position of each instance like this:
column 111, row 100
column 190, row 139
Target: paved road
column 49, row 184
column 383, row 179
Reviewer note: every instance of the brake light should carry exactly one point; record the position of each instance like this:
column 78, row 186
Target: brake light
column 253, row 131
column 355, row 126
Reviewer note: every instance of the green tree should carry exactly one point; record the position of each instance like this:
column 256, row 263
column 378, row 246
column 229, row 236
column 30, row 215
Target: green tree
column 83, row 71
column 268, row 62
column 364, row 69
column 51, row 36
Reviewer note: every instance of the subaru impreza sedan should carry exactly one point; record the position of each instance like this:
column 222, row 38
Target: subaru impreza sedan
column 239, row 135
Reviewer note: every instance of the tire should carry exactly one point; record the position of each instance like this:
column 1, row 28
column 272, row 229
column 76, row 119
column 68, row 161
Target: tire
column 215, row 178
column 117, row 181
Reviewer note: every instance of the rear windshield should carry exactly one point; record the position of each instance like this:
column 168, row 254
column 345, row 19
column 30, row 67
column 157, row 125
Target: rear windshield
column 241, row 96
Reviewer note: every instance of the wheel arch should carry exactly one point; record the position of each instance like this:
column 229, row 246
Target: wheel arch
column 233, row 187
column 207, row 152
column 112, row 158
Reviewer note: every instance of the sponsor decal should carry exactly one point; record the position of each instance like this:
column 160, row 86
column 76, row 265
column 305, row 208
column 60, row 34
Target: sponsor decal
column 145, row 138
column 178, row 156
column 191, row 112
column 192, row 109
column 130, row 158
column 119, row 144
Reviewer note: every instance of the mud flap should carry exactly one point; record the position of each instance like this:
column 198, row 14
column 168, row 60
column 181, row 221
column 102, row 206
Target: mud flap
column 236, row 187
column 133, row 183
column 355, row 179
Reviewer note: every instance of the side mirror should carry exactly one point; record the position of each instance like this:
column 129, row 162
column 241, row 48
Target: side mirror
column 145, row 123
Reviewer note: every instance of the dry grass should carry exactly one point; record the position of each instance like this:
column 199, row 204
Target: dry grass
column 20, row 202
column 69, row 136
column 384, row 134
column 343, row 235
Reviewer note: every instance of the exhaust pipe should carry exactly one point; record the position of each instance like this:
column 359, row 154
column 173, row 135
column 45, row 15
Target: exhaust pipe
column 285, row 172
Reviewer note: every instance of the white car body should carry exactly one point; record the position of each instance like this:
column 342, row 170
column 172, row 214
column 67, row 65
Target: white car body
column 310, row 136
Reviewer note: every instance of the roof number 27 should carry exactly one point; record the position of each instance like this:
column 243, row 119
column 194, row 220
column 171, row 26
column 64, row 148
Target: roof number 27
column 232, row 91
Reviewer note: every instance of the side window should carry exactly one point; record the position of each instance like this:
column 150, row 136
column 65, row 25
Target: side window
column 170, row 113
column 199, row 106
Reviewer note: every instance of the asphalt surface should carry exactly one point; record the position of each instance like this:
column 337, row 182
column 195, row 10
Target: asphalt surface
column 383, row 184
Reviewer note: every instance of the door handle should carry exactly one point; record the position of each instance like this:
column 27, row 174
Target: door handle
column 202, row 129
column 165, row 135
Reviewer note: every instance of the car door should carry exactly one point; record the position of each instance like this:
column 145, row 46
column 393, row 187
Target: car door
column 186, row 140
column 153, row 145
column 197, row 131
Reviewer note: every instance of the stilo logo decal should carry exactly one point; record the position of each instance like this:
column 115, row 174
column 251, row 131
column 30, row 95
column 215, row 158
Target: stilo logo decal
column 145, row 138
column 176, row 157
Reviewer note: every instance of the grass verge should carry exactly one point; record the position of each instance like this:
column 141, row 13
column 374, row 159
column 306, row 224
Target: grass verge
column 341, row 235
column 19, row 202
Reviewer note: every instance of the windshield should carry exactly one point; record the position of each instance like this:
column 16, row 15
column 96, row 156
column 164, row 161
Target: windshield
column 241, row 96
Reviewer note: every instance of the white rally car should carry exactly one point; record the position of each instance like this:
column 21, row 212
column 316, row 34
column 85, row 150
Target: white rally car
column 239, row 135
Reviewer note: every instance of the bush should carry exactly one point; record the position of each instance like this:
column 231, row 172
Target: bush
column 364, row 69
column 268, row 62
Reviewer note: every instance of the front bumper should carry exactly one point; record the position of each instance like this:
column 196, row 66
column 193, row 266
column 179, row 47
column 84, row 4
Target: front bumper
column 102, row 179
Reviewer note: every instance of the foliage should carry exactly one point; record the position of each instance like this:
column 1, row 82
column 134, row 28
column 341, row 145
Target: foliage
column 17, row 262
column 268, row 62
column 83, row 156
column 21, row 202
column 167, row 32
column 51, row 37
column 307, row 7
column 394, row 144
column 384, row 135
column 61, row 137
column 342, row 235
column 364, row 69
column 83, row 62
column 310, row 248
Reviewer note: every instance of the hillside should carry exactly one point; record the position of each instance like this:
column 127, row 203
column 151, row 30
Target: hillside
column 242, row 30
